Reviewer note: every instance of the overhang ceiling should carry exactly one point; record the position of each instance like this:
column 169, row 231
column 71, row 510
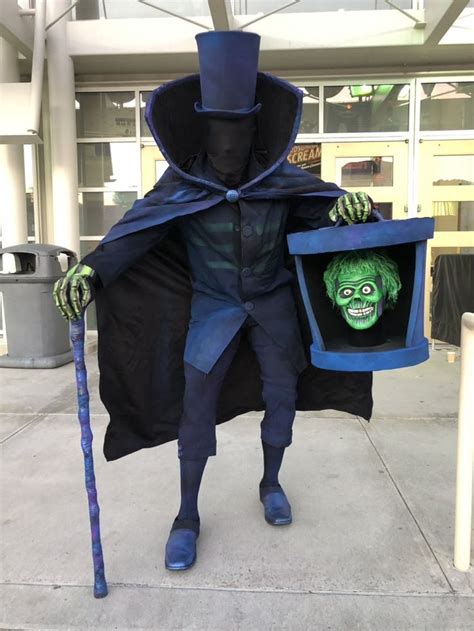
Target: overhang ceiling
column 438, row 39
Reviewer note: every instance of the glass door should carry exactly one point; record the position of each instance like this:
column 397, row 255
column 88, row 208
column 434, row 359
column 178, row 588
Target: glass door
column 447, row 194
column 153, row 167
column 378, row 168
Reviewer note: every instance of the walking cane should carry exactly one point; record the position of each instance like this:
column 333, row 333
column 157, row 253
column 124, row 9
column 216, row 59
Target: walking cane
column 77, row 339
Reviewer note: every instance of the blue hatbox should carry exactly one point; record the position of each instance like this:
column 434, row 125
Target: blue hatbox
column 404, row 343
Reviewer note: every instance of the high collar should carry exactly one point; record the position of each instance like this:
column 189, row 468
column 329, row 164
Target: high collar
column 179, row 131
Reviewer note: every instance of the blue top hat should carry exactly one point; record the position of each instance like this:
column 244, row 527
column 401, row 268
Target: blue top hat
column 228, row 62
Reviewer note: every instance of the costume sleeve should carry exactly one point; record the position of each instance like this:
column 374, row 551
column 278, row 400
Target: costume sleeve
column 110, row 260
column 312, row 212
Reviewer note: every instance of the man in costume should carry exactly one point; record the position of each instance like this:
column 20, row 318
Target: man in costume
column 197, row 317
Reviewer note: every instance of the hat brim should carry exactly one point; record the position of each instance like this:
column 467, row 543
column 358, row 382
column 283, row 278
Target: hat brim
column 243, row 113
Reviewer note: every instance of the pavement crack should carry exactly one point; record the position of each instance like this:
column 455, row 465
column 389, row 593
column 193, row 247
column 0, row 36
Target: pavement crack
column 36, row 418
column 250, row 590
column 407, row 506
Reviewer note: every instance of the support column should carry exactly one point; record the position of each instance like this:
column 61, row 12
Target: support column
column 12, row 165
column 63, row 131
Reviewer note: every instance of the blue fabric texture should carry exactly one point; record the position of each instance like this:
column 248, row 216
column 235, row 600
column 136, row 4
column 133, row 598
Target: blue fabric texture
column 272, row 459
column 197, row 437
column 228, row 61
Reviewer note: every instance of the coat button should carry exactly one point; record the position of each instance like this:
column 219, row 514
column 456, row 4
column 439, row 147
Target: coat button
column 232, row 196
column 247, row 231
column 248, row 306
column 246, row 271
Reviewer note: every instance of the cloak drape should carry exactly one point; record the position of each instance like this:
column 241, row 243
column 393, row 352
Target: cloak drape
column 143, row 315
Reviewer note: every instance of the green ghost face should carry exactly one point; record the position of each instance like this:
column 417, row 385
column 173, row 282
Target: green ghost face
column 360, row 299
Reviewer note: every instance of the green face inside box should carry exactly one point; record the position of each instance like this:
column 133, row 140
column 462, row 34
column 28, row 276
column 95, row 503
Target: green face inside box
column 362, row 284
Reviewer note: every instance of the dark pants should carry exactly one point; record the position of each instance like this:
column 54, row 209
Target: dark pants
column 197, row 430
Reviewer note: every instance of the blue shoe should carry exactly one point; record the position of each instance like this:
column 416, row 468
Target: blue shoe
column 276, row 505
column 180, row 552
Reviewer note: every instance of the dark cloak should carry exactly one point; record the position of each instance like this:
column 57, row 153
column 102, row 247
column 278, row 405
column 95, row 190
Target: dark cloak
column 143, row 315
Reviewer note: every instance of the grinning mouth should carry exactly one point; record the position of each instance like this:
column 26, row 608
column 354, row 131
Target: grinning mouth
column 361, row 313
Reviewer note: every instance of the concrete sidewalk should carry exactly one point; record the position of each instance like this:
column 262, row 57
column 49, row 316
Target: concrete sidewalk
column 371, row 545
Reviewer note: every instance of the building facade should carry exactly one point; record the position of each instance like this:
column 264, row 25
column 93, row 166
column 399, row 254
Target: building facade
column 388, row 107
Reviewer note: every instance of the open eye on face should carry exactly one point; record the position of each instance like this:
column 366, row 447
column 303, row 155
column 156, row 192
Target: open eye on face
column 366, row 289
column 346, row 292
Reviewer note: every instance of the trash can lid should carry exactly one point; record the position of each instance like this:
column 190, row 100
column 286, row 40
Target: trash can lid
column 37, row 248
column 37, row 261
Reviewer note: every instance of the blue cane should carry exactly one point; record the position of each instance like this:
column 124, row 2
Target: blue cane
column 77, row 339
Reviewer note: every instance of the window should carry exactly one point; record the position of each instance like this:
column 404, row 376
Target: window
column 447, row 106
column 107, row 164
column 99, row 211
column 367, row 171
column 244, row 7
column 310, row 114
column 453, row 170
column 144, row 129
column 366, row 108
column 453, row 216
column 105, row 114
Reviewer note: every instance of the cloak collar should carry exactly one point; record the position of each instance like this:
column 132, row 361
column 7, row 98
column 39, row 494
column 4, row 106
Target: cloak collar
column 179, row 131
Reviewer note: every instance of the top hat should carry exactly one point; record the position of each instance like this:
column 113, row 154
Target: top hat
column 228, row 62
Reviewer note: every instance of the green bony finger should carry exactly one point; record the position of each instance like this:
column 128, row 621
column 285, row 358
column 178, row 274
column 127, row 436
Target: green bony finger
column 56, row 298
column 63, row 297
column 84, row 271
column 72, row 271
column 339, row 211
column 351, row 207
column 365, row 201
column 74, row 295
column 358, row 207
column 343, row 210
column 333, row 214
column 86, row 293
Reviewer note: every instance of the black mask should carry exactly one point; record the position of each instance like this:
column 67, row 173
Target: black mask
column 228, row 143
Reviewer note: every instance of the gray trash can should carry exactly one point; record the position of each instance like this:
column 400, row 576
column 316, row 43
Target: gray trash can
column 37, row 336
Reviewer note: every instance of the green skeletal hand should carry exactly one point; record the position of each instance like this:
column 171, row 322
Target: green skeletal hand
column 73, row 293
column 352, row 208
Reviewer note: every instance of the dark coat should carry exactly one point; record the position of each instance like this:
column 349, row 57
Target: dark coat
column 144, row 306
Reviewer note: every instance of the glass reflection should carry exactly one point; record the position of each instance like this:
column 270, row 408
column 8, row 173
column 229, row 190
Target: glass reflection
column 144, row 130
column 29, row 183
column 107, row 164
column 453, row 170
column 453, row 216
column 123, row 9
column 249, row 7
column 105, row 114
column 310, row 115
column 30, row 215
column 367, row 171
column 435, row 252
column 98, row 212
column 447, row 106
column 366, row 108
